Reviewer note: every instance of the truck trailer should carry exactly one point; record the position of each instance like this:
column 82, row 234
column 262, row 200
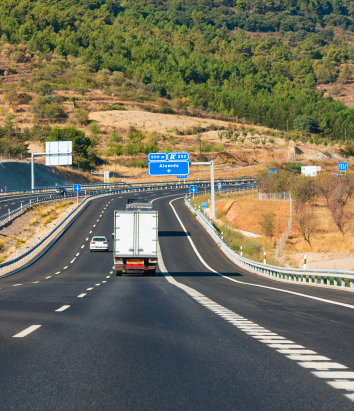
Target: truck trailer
column 135, row 241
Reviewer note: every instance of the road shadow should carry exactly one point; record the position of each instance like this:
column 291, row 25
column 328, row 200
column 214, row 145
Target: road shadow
column 173, row 234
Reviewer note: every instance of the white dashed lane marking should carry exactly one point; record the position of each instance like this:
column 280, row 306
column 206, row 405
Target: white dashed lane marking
column 111, row 272
column 16, row 285
column 77, row 254
column 57, row 272
column 27, row 331
column 89, row 289
column 65, row 268
column 81, row 295
column 108, row 276
column 90, row 232
column 86, row 239
column 94, row 225
column 49, row 276
column 72, row 260
column 83, row 246
column 104, row 281
column 35, row 282
column 63, row 308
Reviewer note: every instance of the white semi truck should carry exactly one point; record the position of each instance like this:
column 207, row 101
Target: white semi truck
column 135, row 241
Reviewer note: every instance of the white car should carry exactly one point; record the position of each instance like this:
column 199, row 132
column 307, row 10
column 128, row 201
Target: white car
column 99, row 243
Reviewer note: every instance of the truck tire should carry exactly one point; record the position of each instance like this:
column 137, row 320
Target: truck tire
column 118, row 273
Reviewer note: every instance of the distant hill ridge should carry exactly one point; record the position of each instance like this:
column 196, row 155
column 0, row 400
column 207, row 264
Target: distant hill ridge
column 202, row 53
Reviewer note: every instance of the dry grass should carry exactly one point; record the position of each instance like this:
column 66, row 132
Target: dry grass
column 19, row 242
column 243, row 211
column 45, row 211
column 328, row 238
column 33, row 220
column 48, row 219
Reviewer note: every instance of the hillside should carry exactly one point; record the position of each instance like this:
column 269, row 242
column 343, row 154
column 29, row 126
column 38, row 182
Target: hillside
column 269, row 64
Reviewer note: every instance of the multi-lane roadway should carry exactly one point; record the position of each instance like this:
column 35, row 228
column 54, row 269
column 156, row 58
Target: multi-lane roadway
column 201, row 335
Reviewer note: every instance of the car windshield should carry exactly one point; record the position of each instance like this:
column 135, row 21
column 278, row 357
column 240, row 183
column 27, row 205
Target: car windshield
column 99, row 239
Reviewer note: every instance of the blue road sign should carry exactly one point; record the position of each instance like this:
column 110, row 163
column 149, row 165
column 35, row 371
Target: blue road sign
column 77, row 188
column 193, row 189
column 169, row 164
column 272, row 171
column 204, row 206
column 343, row 166
column 219, row 186
column 182, row 176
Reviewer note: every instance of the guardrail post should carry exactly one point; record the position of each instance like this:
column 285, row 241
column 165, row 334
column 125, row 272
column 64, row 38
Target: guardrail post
column 351, row 283
column 264, row 257
column 305, row 262
column 241, row 250
column 328, row 280
column 343, row 282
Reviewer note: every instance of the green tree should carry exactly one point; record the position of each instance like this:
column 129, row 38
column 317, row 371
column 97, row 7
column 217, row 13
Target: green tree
column 306, row 124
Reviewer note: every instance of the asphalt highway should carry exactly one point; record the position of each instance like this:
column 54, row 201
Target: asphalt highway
column 73, row 336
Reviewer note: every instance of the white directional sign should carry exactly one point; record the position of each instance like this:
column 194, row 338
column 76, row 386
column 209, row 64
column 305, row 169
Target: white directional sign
column 62, row 153
column 310, row 170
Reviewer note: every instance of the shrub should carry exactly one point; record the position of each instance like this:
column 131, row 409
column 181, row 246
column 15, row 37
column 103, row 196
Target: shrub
column 24, row 98
column 80, row 116
column 43, row 88
column 26, row 228
column 164, row 108
column 17, row 57
column 46, row 108
column 2, row 244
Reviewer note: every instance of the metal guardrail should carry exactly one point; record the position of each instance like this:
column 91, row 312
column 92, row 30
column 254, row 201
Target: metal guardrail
column 28, row 255
column 117, row 185
column 320, row 277
column 24, row 207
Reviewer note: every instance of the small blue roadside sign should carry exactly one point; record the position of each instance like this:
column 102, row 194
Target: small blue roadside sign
column 193, row 189
column 219, row 186
column 272, row 171
column 168, row 164
column 343, row 166
column 204, row 206
column 77, row 188
column 182, row 176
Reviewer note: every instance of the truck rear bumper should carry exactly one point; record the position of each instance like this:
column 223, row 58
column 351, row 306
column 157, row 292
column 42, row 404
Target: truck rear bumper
column 124, row 267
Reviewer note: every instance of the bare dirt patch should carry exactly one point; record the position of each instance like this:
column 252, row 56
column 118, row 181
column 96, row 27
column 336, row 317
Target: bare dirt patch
column 25, row 231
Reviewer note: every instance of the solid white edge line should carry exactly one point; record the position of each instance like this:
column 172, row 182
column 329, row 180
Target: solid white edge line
column 250, row 284
column 27, row 331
